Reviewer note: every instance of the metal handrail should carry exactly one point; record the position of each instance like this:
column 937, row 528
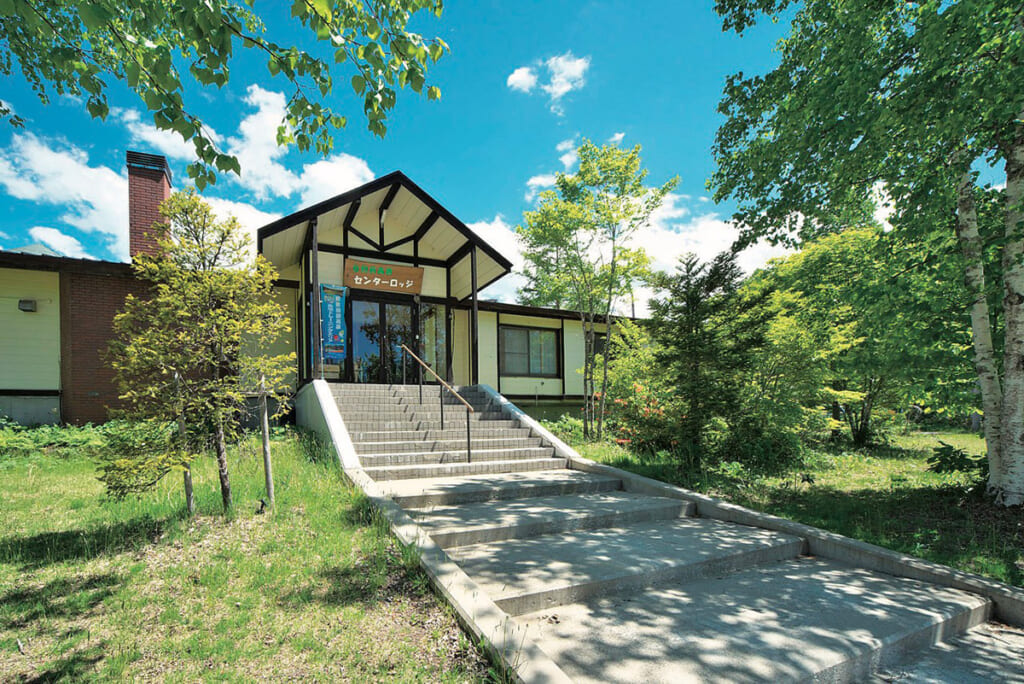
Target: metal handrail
column 440, row 394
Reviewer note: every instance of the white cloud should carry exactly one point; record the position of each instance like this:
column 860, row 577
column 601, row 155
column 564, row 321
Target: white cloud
column 502, row 236
column 568, row 150
column 263, row 173
column 59, row 242
column 565, row 73
column 329, row 177
column 673, row 232
column 522, row 79
column 538, row 183
column 616, row 138
column 249, row 217
column 167, row 143
column 256, row 147
column 58, row 173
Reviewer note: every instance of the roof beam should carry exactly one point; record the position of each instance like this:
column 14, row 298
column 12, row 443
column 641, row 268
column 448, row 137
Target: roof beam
column 392, row 191
column 427, row 224
column 350, row 216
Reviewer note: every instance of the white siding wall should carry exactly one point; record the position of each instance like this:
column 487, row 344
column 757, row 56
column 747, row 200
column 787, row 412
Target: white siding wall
column 29, row 342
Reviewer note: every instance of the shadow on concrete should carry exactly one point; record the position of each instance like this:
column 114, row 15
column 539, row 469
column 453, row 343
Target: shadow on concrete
column 785, row 621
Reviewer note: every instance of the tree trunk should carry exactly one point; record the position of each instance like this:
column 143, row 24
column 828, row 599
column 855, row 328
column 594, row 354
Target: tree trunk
column 587, row 363
column 1011, row 426
column 222, row 465
column 607, row 342
column 265, row 430
column 981, row 324
column 190, row 500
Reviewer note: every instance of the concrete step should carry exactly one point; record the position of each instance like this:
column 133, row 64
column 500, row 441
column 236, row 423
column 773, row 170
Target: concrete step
column 389, row 413
column 445, row 491
column 526, row 575
column 440, row 445
column 987, row 653
column 479, row 432
column 452, row 423
column 406, row 472
column 799, row 620
column 489, row 521
column 454, row 456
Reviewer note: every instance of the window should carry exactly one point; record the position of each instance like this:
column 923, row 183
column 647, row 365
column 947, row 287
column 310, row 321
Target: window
column 528, row 351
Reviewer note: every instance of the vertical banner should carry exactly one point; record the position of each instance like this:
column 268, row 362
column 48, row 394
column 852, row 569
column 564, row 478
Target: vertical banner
column 332, row 317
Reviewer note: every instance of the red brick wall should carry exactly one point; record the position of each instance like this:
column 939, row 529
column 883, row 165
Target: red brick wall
column 147, row 188
column 88, row 304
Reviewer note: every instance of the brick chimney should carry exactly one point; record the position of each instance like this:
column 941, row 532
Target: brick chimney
column 149, row 184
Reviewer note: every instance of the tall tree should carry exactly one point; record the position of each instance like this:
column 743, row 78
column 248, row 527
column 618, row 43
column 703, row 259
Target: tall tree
column 193, row 348
column 887, row 319
column 67, row 46
column 910, row 99
column 701, row 321
column 578, row 252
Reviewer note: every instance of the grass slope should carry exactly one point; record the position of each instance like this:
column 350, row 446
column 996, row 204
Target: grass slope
column 315, row 590
column 883, row 495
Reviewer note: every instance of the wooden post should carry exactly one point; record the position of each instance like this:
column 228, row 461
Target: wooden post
column 475, row 337
column 316, row 324
column 190, row 500
column 265, row 429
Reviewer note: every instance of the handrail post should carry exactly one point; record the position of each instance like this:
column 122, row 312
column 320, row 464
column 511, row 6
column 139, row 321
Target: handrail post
column 403, row 366
column 440, row 395
column 469, row 440
column 420, row 368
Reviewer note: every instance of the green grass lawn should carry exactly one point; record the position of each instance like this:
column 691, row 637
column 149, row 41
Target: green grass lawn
column 317, row 589
column 883, row 495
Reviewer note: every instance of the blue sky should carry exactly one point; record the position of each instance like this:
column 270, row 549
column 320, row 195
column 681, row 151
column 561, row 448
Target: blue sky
column 523, row 84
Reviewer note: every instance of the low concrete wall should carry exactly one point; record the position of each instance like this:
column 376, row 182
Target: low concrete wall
column 513, row 645
column 31, row 410
column 1008, row 601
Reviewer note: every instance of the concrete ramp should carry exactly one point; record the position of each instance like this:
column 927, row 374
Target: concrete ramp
column 573, row 571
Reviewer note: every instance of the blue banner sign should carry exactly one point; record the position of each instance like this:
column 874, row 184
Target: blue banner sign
column 332, row 317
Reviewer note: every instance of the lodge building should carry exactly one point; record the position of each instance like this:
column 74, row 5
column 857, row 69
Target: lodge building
column 361, row 274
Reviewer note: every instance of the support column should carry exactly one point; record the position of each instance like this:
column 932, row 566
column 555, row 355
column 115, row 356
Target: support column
column 315, row 324
column 474, row 337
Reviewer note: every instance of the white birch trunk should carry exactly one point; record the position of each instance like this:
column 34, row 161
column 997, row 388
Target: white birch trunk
column 981, row 325
column 1012, row 471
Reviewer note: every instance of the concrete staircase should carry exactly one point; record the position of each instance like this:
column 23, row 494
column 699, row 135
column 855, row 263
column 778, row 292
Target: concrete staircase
column 625, row 586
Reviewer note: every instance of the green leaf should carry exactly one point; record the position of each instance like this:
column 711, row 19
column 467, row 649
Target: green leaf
column 433, row 93
column 358, row 84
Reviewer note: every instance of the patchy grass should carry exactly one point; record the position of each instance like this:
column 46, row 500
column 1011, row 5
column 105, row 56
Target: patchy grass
column 316, row 589
column 883, row 495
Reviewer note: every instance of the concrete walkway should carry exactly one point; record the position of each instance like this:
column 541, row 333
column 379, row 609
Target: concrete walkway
column 615, row 582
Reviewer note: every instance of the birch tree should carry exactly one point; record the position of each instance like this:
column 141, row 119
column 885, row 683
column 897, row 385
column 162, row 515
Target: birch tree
column 916, row 100
column 578, row 251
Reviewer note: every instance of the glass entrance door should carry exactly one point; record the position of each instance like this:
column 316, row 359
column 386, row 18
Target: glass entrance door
column 379, row 329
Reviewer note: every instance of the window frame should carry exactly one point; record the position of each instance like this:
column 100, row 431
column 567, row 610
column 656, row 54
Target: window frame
column 502, row 372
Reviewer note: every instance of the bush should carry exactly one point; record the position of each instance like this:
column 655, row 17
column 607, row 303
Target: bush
column 761, row 447
column 644, row 419
column 946, row 458
column 567, row 428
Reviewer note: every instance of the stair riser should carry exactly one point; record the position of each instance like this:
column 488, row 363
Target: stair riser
column 406, row 425
column 365, row 414
column 536, row 528
column 504, row 494
column 683, row 572
column 438, row 446
column 476, row 468
column 448, row 435
column 892, row 651
column 443, row 457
